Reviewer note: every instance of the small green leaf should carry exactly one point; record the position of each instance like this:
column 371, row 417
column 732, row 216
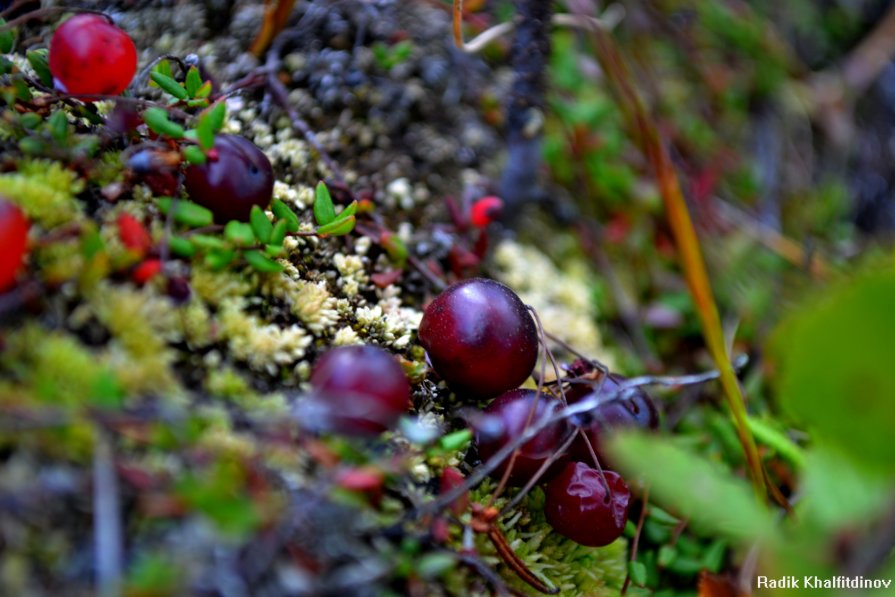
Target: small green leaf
column 338, row 228
column 7, row 39
column 324, row 211
column 194, row 155
column 206, row 242
column 163, row 68
column 157, row 120
column 239, row 233
column 667, row 555
column 169, row 85
column 262, row 263
column 285, row 213
column 260, row 224
column 216, row 115
column 455, row 441
column 58, row 123
column 30, row 120
column 394, row 248
column 193, row 81
column 32, row 146
column 274, row 250
column 218, row 259
column 181, row 246
column 38, row 59
column 204, row 90
column 186, row 212
column 637, row 571
column 433, row 565
column 210, row 122
column 279, row 234
column 348, row 211
column 197, row 103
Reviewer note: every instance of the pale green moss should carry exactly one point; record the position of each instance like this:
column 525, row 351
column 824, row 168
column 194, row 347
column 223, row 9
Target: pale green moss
column 51, row 366
column 265, row 347
column 575, row 569
column 45, row 190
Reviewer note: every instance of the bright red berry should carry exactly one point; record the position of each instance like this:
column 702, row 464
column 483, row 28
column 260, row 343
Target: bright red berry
column 146, row 271
column 133, row 234
column 230, row 183
column 13, row 242
column 513, row 412
column 578, row 506
column 91, row 56
column 480, row 337
column 358, row 390
column 635, row 409
column 485, row 210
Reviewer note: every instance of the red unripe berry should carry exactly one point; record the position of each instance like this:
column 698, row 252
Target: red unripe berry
column 238, row 177
column 578, row 506
column 146, row 271
column 91, row 56
column 358, row 390
column 635, row 409
column 514, row 412
column 479, row 337
column 13, row 242
column 485, row 210
column 133, row 234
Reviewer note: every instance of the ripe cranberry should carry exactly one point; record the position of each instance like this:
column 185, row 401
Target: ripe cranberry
column 636, row 409
column 133, row 234
column 485, row 210
column 511, row 411
column 146, row 271
column 480, row 337
column 236, row 176
column 359, row 390
column 91, row 56
column 578, row 506
column 13, row 242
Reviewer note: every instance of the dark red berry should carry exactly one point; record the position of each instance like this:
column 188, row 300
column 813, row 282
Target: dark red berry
column 358, row 390
column 91, row 56
column 513, row 412
column 13, row 242
column 485, row 210
column 578, row 506
column 480, row 337
column 636, row 409
column 230, row 183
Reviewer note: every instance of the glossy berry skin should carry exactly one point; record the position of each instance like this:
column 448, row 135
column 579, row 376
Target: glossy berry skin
column 13, row 242
column 480, row 338
column 91, row 56
column 484, row 211
column 635, row 410
column 361, row 390
column 577, row 505
column 236, row 177
column 511, row 411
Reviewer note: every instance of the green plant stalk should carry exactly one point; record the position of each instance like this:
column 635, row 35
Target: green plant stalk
column 647, row 137
column 781, row 444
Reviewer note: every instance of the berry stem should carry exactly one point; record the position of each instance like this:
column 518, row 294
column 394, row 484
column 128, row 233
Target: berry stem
column 520, row 495
column 513, row 561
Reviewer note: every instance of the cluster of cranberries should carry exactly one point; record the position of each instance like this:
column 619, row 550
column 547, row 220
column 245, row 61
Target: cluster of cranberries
column 90, row 56
column 481, row 339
